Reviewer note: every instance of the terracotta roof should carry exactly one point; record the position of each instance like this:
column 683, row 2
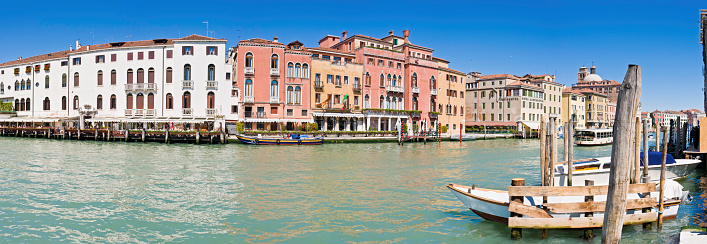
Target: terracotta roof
column 586, row 91
column 261, row 41
column 452, row 70
column 440, row 59
column 37, row 58
column 330, row 50
column 195, row 37
column 496, row 76
column 569, row 90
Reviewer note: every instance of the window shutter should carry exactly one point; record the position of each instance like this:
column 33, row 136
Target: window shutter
column 113, row 57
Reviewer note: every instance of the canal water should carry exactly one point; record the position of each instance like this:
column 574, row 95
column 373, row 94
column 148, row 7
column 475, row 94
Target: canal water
column 85, row 191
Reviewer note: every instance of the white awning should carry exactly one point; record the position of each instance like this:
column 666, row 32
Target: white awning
column 531, row 125
column 261, row 120
column 29, row 120
column 337, row 115
column 151, row 120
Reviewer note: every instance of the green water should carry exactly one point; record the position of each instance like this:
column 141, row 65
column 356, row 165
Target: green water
column 85, row 191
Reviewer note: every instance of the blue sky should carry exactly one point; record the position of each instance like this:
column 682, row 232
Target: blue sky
column 538, row 37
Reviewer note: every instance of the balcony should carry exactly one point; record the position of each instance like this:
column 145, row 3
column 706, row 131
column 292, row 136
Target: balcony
column 273, row 71
column 318, row 84
column 260, row 115
column 395, row 89
column 433, row 115
column 187, row 84
column 433, row 92
column 128, row 112
column 210, row 112
column 415, row 90
column 274, row 99
column 357, row 87
column 141, row 87
column 139, row 112
column 248, row 114
column 249, row 99
column 187, row 112
column 249, row 70
column 211, row 85
column 149, row 112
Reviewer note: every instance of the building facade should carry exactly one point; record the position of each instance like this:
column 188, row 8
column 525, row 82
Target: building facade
column 504, row 98
column 452, row 102
column 573, row 103
column 595, row 107
column 588, row 79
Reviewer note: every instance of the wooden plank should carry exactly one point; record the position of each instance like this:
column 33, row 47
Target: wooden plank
column 576, row 223
column 527, row 210
column 581, row 207
column 558, row 191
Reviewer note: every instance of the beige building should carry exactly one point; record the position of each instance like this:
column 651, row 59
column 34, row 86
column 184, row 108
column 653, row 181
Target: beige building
column 573, row 103
column 502, row 100
column 552, row 94
column 450, row 99
column 589, row 79
column 336, row 90
column 596, row 109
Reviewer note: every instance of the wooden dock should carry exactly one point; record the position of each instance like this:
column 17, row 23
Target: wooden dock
column 194, row 137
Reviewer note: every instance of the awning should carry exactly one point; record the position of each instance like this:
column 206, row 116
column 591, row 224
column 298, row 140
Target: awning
column 337, row 115
column 30, row 120
column 150, row 120
column 531, row 125
column 261, row 120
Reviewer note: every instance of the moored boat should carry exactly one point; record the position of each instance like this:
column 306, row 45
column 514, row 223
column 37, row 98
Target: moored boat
column 293, row 140
column 464, row 137
column 597, row 169
column 594, row 137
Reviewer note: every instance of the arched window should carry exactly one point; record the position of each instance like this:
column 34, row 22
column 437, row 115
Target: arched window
column 150, row 101
column 140, row 101
column 367, row 101
column 305, row 71
column 99, row 102
column 22, row 104
column 400, row 81
column 432, row 105
column 22, row 85
column 76, row 79
column 113, row 77
column 274, row 61
column 130, row 76
column 29, row 84
column 273, row 88
column 170, row 101
column 168, row 75
column 140, row 76
column 211, row 100
column 17, row 105
column 113, row 102
column 290, row 95
column 298, row 95
column 129, row 101
column 395, row 81
column 63, row 103
column 186, row 100
column 382, row 81
column 248, row 88
column 27, row 105
column 99, row 78
column 389, row 80
column 368, row 79
column 63, row 80
column 2, row 87
column 381, row 105
column 187, row 72
column 76, row 102
column 46, row 82
column 151, row 75
column 290, row 70
column 433, row 84
column 46, row 105
column 414, row 103
column 212, row 73
column 414, row 79
column 298, row 70
column 17, row 85
column 248, row 60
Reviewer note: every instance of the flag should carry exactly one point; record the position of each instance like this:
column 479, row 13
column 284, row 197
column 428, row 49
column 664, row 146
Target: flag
column 346, row 97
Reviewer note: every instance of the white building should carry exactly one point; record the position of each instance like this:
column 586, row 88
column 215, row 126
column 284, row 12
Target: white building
column 153, row 80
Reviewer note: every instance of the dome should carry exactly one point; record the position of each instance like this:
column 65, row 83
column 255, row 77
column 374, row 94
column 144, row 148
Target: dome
column 593, row 77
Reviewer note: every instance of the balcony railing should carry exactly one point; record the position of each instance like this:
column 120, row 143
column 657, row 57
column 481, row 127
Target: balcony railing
column 187, row 84
column 415, row 90
column 249, row 70
column 210, row 112
column 128, row 112
column 187, row 112
column 357, row 87
column 212, row 85
column 139, row 112
column 318, row 84
column 433, row 92
column 274, row 99
column 274, row 71
column 248, row 114
column 395, row 89
column 141, row 87
column 149, row 112
column 249, row 99
column 260, row 114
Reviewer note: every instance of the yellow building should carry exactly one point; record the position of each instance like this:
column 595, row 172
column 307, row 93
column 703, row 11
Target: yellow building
column 596, row 106
column 450, row 97
column 573, row 103
column 336, row 87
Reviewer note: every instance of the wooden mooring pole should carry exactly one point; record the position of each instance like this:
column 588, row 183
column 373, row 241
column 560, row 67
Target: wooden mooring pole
column 543, row 147
column 624, row 129
column 661, row 193
column 570, row 154
column 516, row 233
column 657, row 136
column 588, row 233
column 636, row 153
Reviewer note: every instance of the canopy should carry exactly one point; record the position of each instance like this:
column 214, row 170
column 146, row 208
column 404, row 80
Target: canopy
column 27, row 119
column 656, row 158
column 337, row 115
column 531, row 125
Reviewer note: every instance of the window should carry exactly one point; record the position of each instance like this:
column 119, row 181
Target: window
column 169, row 53
column 290, row 95
column 305, row 71
column 130, row 76
column 63, row 63
column 211, row 73
column 113, row 77
column 290, row 112
column 100, row 59
column 46, row 104
column 234, row 109
column 168, row 74
column 337, row 82
column 329, row 79
column 187, row 50
column 211, row 50
column 186, row 100
column 298, row 95
column 380, row 62
column 274, row 61
column 76, row 102
column 228, row 75
column 76, row 79
column 130, row 56
column 63, row 103
column 290, row 70
column 99, row 102
column 170, row 101
column 248, row 88
column 304, row 112
column 46, row 82
column 414, row 79
column 211, row 100
column 317, row 98
column 346, row 80
column 337, row 99
column 140, row 75
column 382, row 81
column 99, row 78
column 370, row 61
column 63, row 80
column 77, row 61
column 150, row 101
column 151, row 75
column 368, row 79
column 298, row 70
column 113, row 57
column 113, row 102
column 248, row 60
column 273, row 110
column 273, row 88
column 151, row 55
column 187, row 72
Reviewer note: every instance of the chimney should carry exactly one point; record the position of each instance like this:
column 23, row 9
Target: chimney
column 71, row 48
column 390, row 33
column 406, row 34
column 78, row 45
column 275, row 39
column 343, row 35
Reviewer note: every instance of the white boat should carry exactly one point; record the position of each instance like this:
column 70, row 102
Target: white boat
column 594, row 137
column 465, row 137
column 493, row 204
column 597, row 169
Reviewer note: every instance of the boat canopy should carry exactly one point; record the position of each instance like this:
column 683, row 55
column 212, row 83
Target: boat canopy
column 656, row 158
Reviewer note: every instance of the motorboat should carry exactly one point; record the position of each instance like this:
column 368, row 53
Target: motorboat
column 464, row 137
column 293, row 139
column 597, row 169
column 594, row 137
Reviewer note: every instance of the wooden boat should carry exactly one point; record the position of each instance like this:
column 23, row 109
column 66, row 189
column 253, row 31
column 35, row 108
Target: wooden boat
column 594, row 137
column 494, row 204
column 597, row 169
column 277, row 141
column 465, row 137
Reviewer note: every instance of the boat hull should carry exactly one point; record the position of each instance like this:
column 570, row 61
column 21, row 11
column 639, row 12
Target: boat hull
column 674, row 171
column 280, row 142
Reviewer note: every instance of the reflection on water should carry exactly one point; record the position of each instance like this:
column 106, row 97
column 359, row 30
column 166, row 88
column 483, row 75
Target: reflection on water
column 54, row 190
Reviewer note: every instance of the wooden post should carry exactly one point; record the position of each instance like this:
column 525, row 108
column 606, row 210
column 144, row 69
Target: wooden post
column 142, row 135
column 570, row 154
column 624, row 129
column 517, row 233
column 683, row 145
column 636, row 153
column 645, row 153
column 198, row 136
column 588, row 233
column 554, row 152
column 460, row 133
column 661, row 193
column 567, row 141
column 543, row 147
column 657, row 137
